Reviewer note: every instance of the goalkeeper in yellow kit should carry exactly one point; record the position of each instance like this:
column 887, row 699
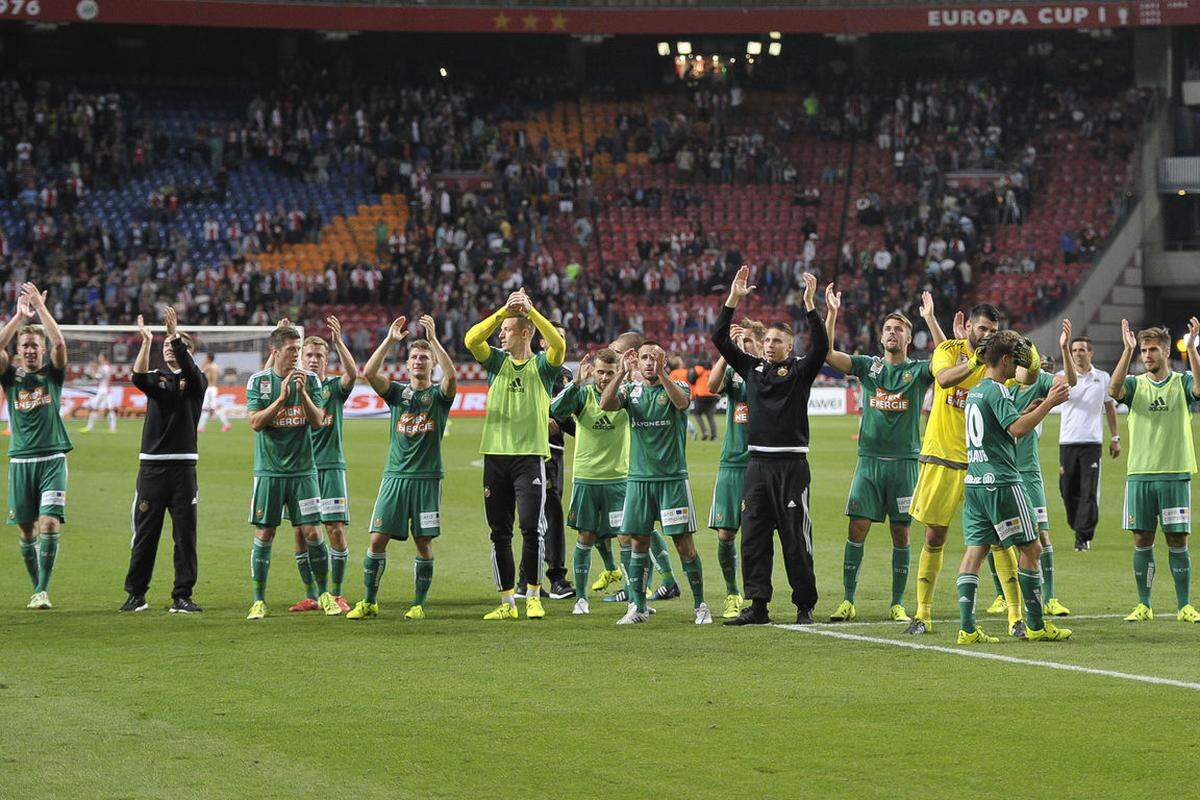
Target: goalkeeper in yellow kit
column 957, row 367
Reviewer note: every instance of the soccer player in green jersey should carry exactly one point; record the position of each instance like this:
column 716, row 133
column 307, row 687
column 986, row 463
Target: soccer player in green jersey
column 1162, row 459
column 37, row 454
column 516, row 442
column 601, row 463
column 657, row 488
column 995, row 507
column 281, row 410
column 725, row 513
column 1029, row 465
column 889, row 444
column 331, row 463
column 410, row 494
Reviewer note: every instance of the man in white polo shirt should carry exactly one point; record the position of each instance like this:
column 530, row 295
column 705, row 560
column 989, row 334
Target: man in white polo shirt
column 1080, row 441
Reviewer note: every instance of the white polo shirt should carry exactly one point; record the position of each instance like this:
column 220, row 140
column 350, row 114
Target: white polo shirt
column 1083, row 413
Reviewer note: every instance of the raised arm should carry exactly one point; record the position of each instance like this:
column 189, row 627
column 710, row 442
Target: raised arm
column 196, row 381
column 58, row 345
column 18, row 320
column 834, row 358
column 1027, row 422
column 556, row 345
column 931, row 321
column 1064, row 349
column 1116, row 383
column 681, row 398
column 449, row 384
column 477, row 337
column 818, row 341
column 141, row 364
column 349, row 368
column 716, row 376
column 395, row 335
column 1193, row 354
column 741, row 362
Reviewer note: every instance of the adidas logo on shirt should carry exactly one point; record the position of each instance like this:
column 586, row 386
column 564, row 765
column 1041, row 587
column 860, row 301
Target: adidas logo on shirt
column 1159, row 404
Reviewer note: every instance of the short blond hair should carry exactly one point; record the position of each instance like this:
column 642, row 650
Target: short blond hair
column 31, row 330
column 310, row 340
column 755, row 328
column 1159, row 334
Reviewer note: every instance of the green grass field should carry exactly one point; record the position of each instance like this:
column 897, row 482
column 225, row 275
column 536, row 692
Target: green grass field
column 101, row 705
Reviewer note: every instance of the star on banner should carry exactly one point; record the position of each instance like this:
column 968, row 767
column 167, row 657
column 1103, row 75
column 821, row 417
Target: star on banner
column 531, row 22
column 559, row 22
column 500, row 21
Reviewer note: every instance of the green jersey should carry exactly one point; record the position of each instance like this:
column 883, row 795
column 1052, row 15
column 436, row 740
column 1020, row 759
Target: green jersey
column 1160, row 430
column 735, row 447
column 892, row 395
column 418, row 424
column 34, row 399
column 327, row 439
column 658, row 438
column 284, row 448
column 601, row 437
column 1025, row 397
column 517, row 419
column 991, row 451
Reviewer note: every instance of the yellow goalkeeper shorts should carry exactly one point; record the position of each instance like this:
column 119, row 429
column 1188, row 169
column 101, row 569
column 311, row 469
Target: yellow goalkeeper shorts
column 938, row 497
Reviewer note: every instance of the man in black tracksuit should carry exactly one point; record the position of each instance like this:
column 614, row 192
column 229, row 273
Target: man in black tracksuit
column 167, row 474
column 775, row 497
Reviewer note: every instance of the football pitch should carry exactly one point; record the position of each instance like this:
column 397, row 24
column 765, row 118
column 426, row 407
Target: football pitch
column 152, row 705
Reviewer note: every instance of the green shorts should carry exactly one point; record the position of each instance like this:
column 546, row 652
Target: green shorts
column 335, row 497
column 295, row 496
column 997, row 515
column 597, row 508
column 1035, row 492
column 1148, row 503
column 668, row 503
column 405, row 504
column 726, row 511
column 882, row 489
column 37, row 487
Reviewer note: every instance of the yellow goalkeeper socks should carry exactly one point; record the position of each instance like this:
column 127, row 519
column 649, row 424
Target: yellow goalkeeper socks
column 928, row 567
column 1006, row 570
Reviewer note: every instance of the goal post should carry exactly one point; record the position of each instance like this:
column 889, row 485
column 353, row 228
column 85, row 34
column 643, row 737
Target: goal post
column 238, row 351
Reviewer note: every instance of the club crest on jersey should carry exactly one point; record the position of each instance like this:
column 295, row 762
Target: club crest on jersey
column 876, row 367
column 264, row 387
column 907, row 376
column 782, row 372
column 407, row 394
column 662, row 399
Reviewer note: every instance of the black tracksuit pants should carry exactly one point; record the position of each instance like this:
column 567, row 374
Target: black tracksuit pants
column 1079, row 485
column 554, row 536
column 514, row 486
column 775, row 498
column 163, row 487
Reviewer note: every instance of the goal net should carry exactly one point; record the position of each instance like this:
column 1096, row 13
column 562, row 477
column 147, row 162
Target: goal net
column 237, row 352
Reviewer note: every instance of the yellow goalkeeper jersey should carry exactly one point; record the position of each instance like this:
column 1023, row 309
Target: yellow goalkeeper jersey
column 946, row 433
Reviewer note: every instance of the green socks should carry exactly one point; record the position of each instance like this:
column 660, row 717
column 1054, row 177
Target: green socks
column 422, row 578
column 995, row 575
column 604, row 548
column 900, row 559
column 306, row 576
column 260, row 565
column 695, row 576
column 968, row 585
column 1181, row 570
column 1048, row 571
column 337, row 570
column 1031, row 593
column 47, row 555
column 728, row 559
column 318, row 561
column 626, row 558
column 374, row 565
column 1143, row 572
column 582, row 564
column 852, row 556
column 29, row 555
column 661, row 559
column 638, row 563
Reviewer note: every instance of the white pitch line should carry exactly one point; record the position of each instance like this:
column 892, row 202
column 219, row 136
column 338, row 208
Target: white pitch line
column 1029, row 662
column 886, row 622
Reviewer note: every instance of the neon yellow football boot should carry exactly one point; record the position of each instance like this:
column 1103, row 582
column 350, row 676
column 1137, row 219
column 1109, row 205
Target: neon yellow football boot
column 844, row 613
column 258, row 610
column 1188, row 614
column 503, row 611
column 533, row 608
column 363, row 610
column 976, row 637
column 608, row 578
column 1055, row 608
column 329, row 605
column 416, row 612
column 733, row 606
column 998, row 606
column 897, row 614
column 1141, row 613
column 1049, row 633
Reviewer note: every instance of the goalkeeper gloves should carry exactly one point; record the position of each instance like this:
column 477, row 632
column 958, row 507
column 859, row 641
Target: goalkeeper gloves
column 1023, row 354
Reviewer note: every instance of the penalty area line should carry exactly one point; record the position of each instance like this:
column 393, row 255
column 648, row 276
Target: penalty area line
column 1028, row 662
